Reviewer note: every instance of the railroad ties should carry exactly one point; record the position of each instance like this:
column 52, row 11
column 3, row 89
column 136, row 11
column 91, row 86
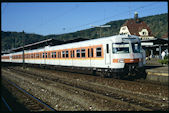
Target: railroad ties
column 31, row 102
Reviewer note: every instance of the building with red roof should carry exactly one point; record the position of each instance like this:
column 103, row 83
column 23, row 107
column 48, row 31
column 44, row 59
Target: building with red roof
column 137, row 27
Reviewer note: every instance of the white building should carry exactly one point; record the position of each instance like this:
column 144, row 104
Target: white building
column 137, row 27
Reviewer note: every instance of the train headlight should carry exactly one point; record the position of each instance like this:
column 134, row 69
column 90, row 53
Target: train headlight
column 118, row 60
column 121, row 60
column 140, row 59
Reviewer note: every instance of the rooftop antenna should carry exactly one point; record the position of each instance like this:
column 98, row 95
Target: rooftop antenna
column 136, row 15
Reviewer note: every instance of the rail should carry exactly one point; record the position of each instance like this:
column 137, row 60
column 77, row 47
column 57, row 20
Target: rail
column 42, row 105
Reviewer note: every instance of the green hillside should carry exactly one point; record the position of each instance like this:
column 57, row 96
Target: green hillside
column 157, row 23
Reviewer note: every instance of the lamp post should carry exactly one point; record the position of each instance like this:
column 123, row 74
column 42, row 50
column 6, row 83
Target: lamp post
column 101, row 26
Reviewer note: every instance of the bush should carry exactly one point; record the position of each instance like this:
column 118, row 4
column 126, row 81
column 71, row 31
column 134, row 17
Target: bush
column 165, row 60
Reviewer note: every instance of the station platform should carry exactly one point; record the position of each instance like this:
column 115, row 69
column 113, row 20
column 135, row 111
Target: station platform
column 157, row 73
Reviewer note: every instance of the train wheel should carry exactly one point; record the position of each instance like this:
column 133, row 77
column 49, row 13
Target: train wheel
column 117, row 76
column 103, row 74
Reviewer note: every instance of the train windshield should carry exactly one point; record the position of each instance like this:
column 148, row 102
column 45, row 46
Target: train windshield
column 120, row 48
column 136, row 47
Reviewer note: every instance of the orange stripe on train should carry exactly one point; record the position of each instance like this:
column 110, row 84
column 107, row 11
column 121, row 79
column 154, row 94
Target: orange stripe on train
column 125, row 60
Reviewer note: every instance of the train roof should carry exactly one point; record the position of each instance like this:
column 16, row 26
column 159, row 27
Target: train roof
column 115, row 38
column 54, row 42
column 48, row 42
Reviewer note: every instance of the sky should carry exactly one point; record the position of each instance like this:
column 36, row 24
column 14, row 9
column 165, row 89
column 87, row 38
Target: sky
column 65, row 17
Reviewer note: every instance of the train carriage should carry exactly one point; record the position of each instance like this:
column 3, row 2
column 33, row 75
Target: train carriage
column 114, row 54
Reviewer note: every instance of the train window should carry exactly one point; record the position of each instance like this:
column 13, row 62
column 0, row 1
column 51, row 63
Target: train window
column 43, row 56
column 73, row 53
column 136, row 47
column 91, row 52
column 83, row 53
column 31, row 55
column 107, row 48
column 120, row 48
column 63, row 54
column 46, row 55
column 98, row 52
column 67, row 54
column 37, row 55
column 88, row 52
column 78, row 53
column 53, row 54
column 59, row 54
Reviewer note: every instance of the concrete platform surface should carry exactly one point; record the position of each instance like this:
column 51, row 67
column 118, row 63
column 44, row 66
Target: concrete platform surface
column 157, row 73
column 158, row 70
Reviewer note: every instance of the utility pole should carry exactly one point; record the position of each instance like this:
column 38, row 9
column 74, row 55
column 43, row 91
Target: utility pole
column 101, row 26
column 23, row 44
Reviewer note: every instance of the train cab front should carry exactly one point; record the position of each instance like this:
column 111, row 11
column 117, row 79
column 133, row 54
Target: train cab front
column 127, row 57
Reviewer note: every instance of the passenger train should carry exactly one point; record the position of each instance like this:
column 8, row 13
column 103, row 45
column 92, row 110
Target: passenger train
column 111, row 56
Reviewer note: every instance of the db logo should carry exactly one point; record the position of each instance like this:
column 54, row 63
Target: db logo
column 132, row 55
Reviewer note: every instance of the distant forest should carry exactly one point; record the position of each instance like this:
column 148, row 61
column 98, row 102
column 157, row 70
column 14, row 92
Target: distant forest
column 157, row 23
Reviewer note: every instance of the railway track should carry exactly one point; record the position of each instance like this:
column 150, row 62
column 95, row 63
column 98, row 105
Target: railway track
column 31, row 103
column 6, row 105
column 139, row 102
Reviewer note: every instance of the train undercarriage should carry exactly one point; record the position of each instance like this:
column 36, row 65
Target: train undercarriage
column 131, row 71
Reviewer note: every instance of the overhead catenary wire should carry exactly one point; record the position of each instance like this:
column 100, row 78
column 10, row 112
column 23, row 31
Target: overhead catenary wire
column 69, row 29
column 58, row 16
column 118, row 14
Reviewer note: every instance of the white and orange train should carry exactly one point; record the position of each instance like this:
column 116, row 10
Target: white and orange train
column 119, row 53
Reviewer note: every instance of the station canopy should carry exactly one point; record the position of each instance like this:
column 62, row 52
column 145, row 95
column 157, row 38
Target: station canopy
column 154, row 42
column 48, row 42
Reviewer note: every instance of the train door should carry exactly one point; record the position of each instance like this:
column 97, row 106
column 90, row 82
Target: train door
column 89, row 55
column 108, row 55
column 44, row 56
